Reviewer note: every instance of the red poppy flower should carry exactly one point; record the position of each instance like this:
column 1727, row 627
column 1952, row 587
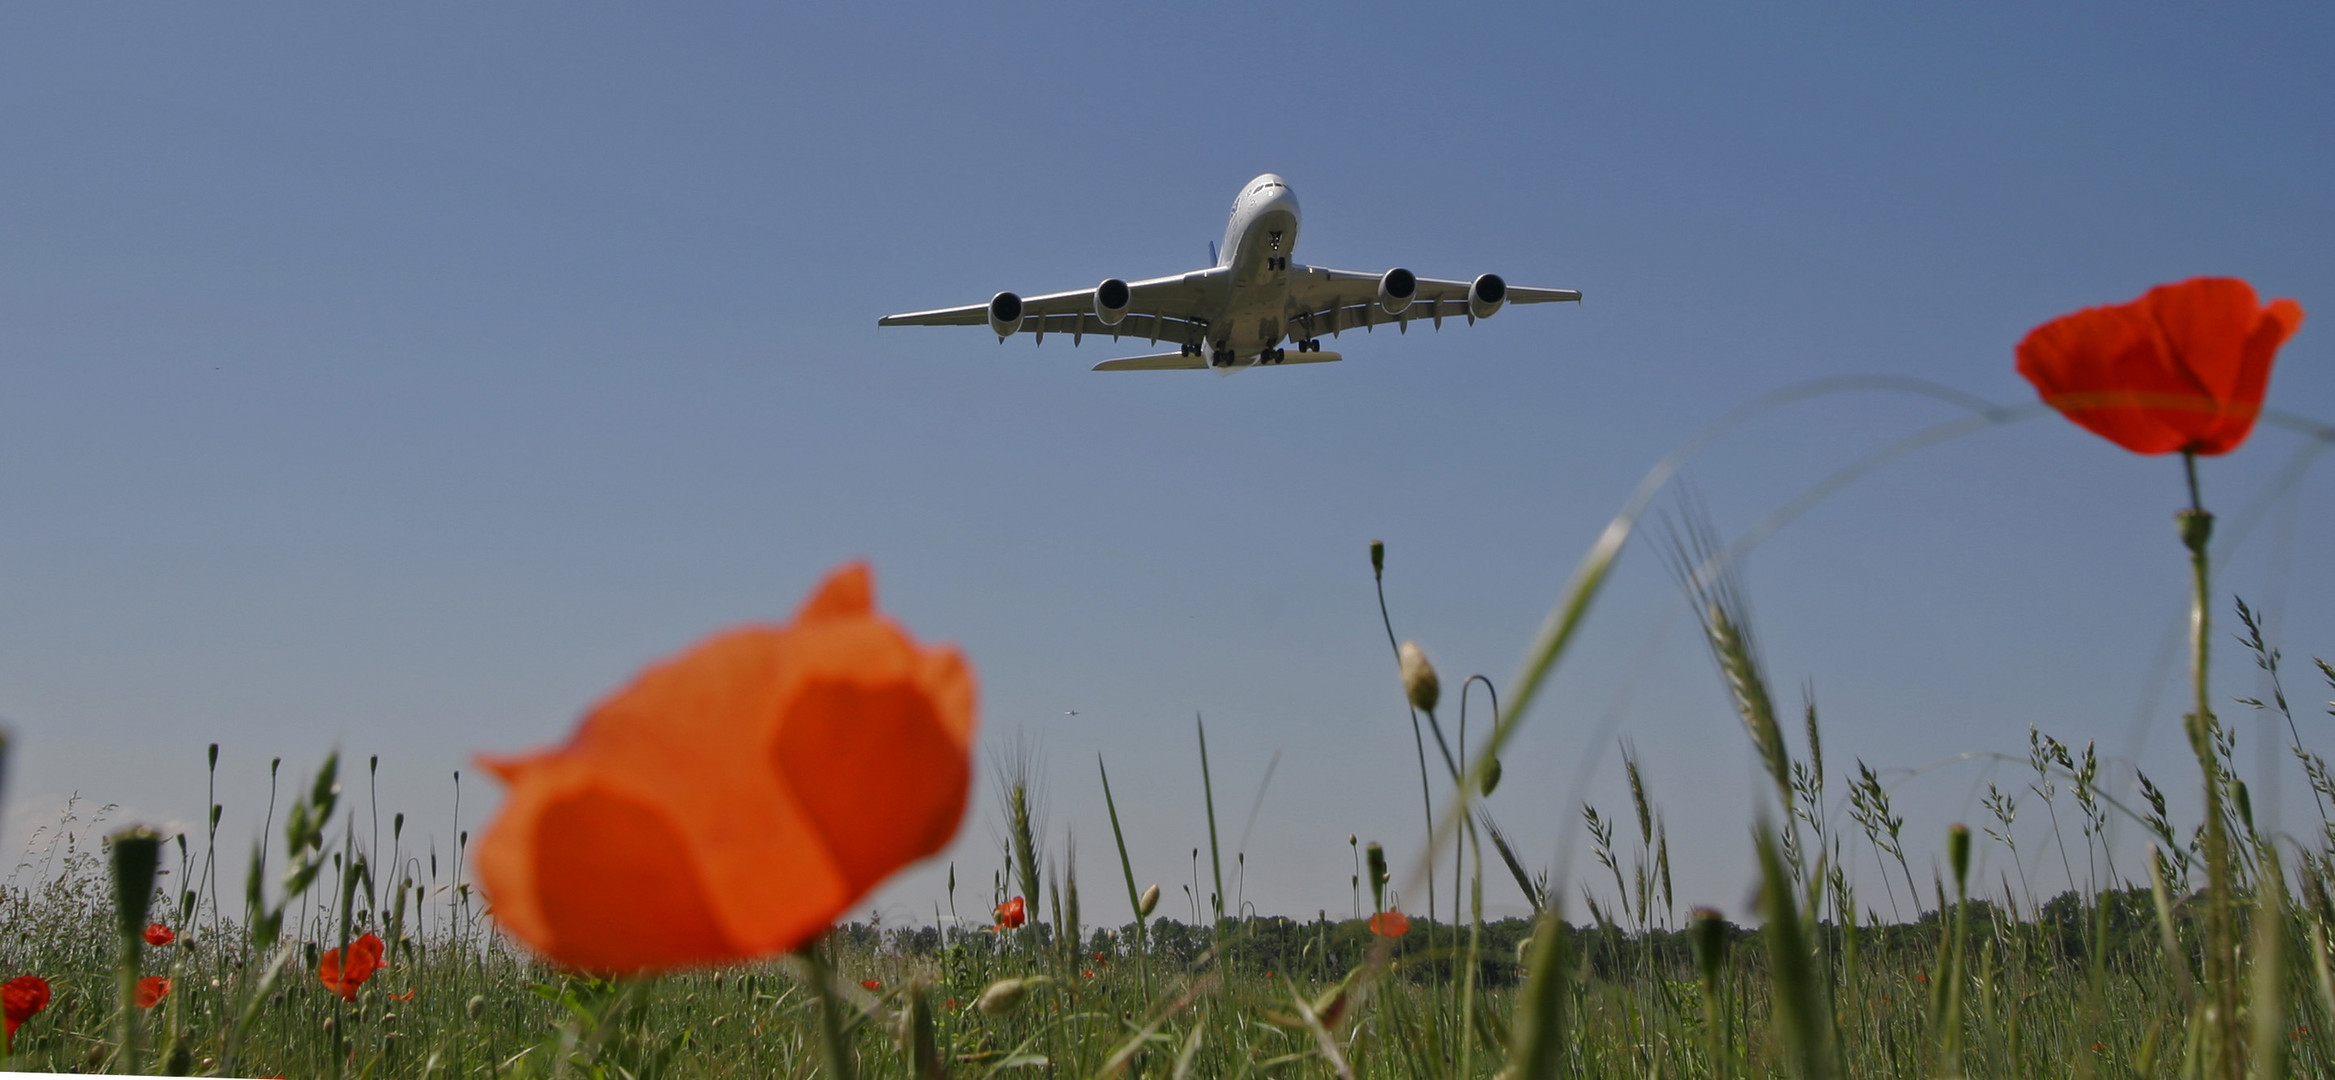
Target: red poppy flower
column 151, row 990
column 1390, row 924
column 407, row 996
column 872, row 986
column 1087, row 973
column 344, row 979
column 1012, row 914
column 158, row 935
column 2182, row 368
column 20, row 998
column 732, row 801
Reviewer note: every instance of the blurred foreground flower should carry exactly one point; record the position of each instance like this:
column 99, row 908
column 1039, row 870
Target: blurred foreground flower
column 1391, row 924
column 2182, row 368
column 151, row 990
column 732, row 801
column 21, row 998
column 344, row 979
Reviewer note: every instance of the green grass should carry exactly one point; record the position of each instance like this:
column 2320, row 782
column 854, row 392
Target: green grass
column 2208, row 960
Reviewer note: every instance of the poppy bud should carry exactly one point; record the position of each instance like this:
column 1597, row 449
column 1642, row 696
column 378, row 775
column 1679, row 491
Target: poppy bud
column 1491, row 775
column 1958, row 854
column 1419, row 682
column 1377, row 557
column 1005, row 995
column 1150, row 901
column 475, row 1007
column 137, row 852
column 1710, row 943
column 1376, row 856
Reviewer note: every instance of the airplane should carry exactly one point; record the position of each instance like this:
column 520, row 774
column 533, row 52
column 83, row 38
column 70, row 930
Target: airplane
column 1236, row 313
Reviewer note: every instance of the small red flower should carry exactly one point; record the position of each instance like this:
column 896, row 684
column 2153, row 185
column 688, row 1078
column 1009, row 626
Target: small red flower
column 1087, row 973
column 952, row 1003
column 2182, row 368
column 1012, row 914
column 407, row 996
column 151, row 990
column 364, row 959
column 1390, row 924
column 159, row 935
column 1100, row 960
column 21, row 997
column 872, row 985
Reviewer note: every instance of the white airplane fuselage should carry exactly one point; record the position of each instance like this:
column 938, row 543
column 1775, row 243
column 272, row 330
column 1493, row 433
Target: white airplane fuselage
column 1258, row 241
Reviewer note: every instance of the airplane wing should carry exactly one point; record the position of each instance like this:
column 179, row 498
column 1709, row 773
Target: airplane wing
column 1329, row 301
column 1158, row 309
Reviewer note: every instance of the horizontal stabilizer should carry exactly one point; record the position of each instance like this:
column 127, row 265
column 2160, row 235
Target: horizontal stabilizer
column 1162, row 362
column 1306, row 358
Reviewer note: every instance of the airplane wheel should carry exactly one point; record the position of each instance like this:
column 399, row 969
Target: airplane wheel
column 1277, row 356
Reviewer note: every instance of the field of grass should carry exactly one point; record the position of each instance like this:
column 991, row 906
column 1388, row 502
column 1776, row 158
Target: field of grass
column 2155, row 974
column 2209, row 959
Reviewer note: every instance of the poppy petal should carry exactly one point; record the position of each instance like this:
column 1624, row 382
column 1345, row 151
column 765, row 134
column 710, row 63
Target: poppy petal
column 2184, row 367
column 849, row 590
column 875, row 772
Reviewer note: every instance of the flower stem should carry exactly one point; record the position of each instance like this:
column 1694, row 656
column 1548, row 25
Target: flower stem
column 2221, row 974
column 1418, row 739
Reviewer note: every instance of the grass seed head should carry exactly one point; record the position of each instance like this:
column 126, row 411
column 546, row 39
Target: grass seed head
column 1958, row 854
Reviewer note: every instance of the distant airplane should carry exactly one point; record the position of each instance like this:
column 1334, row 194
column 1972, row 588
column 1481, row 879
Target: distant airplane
column 1239, row 311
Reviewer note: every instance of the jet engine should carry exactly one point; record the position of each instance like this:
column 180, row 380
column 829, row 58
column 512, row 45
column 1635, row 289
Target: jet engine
column 1005, row 314
column 1396, row 289
column 1111, row 300
column 1485, row 295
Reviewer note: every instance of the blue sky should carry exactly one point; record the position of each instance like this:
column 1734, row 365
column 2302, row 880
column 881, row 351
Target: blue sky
column 403, row 380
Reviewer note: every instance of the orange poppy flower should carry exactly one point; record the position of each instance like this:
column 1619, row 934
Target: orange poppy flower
column 872, row 986
column 1012, row 914
column 344, row 979
column 21, row 998
column 732, row 801
column 159, row 935
column 407, row 996
column 151, row 990
column 2182, row 368
column 1390, row 924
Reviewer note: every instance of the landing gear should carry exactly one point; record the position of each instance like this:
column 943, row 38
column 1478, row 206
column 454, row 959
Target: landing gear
column 1221, row 358
column 1191, row 350
column 1309, row 345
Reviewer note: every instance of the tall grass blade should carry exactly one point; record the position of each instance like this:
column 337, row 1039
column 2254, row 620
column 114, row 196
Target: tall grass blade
column 1539, row 1038
column 1802, row 1017
column 1208, row 791
column 1134, row 898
